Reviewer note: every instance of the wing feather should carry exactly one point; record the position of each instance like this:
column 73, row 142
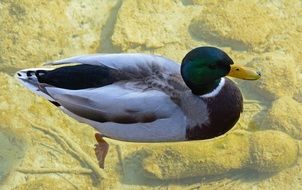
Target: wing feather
column 123, row 61
column 115, row 103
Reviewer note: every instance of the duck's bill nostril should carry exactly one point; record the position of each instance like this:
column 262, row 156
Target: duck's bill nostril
column 19, row 74
column 258, row 73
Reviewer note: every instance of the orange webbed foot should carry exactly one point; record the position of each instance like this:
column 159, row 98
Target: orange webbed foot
column 101, row 149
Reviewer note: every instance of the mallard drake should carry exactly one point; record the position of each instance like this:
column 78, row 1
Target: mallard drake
column 145, row 98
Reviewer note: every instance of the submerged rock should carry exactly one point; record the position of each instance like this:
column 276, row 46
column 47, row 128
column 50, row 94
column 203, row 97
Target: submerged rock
column 242, row 25
column 149, row 24
column 39, row 31
column 284, row 115
column 272, row 151
column 234, row 151
column 156, row 26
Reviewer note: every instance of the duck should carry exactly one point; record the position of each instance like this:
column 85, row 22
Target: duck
column 145, row 98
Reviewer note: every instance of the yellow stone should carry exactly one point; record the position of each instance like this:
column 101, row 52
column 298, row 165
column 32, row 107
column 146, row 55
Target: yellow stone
column 272, row 151
column 33, row 32
column 154, row 16
column 242, row 25
column 285, row 115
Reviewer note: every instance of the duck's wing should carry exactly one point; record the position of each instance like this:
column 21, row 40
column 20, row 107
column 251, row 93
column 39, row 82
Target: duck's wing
column 124, row 113
column 133, row 62
column 115, row 103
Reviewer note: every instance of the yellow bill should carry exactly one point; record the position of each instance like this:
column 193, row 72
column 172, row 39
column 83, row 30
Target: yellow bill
column 245, row 73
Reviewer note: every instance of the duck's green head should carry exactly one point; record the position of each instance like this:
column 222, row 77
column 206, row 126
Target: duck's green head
column 203, row 67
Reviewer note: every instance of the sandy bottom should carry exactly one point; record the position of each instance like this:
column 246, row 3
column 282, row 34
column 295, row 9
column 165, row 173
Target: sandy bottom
column 42, row 148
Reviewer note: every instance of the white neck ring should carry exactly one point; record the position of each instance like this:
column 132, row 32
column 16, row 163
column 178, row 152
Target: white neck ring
column 216, row 90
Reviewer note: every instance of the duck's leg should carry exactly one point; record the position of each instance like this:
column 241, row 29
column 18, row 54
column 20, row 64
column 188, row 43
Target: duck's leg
column 101, row 149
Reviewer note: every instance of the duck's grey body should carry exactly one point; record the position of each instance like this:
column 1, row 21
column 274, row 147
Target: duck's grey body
column 144, row 100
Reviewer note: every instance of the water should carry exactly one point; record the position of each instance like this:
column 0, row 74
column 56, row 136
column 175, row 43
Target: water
column 42, row 148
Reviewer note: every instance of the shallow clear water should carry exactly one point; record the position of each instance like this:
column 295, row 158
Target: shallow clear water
column 42, row 148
